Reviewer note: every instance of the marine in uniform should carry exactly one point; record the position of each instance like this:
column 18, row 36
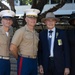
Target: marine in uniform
column 24, row 45
column 6, row 20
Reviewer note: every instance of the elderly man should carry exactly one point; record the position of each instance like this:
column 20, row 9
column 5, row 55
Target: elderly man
column 6, row 20
column 53, row 54
column 24, row 45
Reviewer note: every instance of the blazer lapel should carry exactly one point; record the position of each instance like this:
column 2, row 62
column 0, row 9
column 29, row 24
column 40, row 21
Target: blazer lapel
column 46, row 38
column 56, row 37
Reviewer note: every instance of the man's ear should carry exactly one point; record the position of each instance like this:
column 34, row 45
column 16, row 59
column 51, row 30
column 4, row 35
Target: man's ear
column 26, row 19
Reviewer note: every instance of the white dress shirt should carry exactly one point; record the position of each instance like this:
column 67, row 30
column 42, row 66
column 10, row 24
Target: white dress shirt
column 52, row 41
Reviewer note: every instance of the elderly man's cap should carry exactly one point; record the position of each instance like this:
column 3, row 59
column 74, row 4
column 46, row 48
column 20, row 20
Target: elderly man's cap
column 7, row 14
column 32, row 12
column 51, row 16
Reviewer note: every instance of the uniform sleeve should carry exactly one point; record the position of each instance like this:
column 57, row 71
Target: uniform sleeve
column 17, row 38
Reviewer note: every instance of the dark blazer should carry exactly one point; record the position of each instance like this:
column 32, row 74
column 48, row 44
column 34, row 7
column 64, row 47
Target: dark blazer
column 61, row 50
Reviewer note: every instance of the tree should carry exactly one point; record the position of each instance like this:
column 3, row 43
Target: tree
column 11, row 3
column 3, row 6
column 39, row 4
column 26, row 2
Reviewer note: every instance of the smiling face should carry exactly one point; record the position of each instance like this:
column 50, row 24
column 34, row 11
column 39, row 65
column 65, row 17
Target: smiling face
column 6, row 22
column 50, row 23
column 31, row 21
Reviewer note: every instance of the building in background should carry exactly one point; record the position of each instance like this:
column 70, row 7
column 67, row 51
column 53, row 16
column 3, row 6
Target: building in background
column 67, row 9
column 17, row 2
column 20, row 5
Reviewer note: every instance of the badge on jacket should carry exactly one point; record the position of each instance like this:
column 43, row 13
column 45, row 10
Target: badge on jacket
column 59, row 42
column 57, row 34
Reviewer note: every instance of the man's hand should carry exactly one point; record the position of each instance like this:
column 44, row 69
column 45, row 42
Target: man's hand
column 41, row 71
column 14, row 50
column 66, row 71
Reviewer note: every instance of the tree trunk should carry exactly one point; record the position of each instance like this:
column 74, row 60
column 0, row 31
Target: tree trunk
column 11, row 3
column 39, row 4
column 56, row 7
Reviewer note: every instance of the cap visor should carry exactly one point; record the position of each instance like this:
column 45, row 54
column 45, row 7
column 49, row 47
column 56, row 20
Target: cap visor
column 7, row 17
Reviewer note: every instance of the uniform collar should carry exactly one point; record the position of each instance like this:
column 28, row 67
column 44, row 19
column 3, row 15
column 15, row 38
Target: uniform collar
column 2, row 29
column 26, row 28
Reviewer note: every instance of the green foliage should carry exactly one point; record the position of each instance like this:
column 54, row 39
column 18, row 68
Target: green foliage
column 26, row 2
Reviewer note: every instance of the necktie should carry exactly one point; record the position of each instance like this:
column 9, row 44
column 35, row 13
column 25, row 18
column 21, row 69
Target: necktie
column 50, row 38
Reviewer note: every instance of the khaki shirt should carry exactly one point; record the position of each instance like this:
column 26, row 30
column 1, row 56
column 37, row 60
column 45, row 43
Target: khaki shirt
column 4, row 43
column 26, row 41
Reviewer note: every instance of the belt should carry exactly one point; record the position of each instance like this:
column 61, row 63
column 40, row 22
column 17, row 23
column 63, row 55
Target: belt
column 28, row 56
column 3, row 57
